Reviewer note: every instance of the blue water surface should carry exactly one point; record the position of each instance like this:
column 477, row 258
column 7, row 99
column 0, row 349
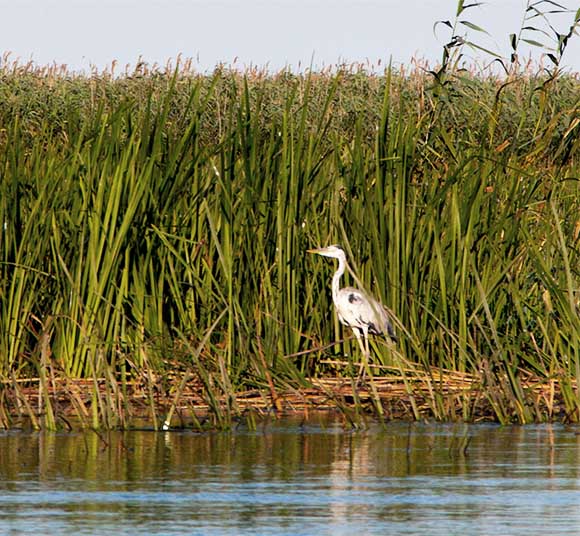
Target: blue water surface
column 290, row 479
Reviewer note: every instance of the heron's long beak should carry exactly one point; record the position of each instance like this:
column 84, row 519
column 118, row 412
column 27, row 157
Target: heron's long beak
column 314, row 250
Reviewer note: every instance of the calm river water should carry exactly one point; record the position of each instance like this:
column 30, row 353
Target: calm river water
column 291, row 479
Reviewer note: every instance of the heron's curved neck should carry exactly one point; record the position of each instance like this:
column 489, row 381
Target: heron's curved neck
column 336, row 277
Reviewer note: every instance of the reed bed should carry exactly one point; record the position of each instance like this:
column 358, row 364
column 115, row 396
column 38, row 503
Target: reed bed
column 153, row 230
column 444, row 396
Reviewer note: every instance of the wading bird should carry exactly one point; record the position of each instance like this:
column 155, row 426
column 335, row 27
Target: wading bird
column 355, row 309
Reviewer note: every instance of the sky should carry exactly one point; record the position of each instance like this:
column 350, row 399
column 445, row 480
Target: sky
column 275, row 34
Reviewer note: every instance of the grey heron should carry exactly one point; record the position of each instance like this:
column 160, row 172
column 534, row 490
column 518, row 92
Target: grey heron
column 355, row 309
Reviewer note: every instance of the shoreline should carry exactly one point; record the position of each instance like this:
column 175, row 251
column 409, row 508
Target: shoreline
column 99, row 404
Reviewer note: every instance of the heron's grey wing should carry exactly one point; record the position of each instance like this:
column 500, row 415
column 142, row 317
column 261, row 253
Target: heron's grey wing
column 347, row 307
column 356, row 309
column 383, row 319
column 388, row 325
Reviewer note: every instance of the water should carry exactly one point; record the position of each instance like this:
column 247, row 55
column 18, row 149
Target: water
column 288, row 479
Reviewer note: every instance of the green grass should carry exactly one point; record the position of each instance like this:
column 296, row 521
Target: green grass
column 158, row 224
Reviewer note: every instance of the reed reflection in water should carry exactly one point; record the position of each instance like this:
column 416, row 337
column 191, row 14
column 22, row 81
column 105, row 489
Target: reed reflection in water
column 291, row 479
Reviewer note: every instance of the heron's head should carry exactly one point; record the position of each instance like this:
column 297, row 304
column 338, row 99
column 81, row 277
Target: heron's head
column 329, row 251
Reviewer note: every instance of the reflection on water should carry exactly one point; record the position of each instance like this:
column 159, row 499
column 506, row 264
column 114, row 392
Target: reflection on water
column 287, row 479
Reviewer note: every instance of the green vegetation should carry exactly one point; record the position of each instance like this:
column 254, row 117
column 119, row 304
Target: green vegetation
column 153, row 227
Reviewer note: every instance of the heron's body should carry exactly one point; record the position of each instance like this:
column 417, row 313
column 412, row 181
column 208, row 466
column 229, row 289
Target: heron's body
column 355, row 309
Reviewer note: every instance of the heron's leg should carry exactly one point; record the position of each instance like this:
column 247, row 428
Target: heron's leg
column 357, row 334
column 359, row 339
column 365, row 351
column 366, row 334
